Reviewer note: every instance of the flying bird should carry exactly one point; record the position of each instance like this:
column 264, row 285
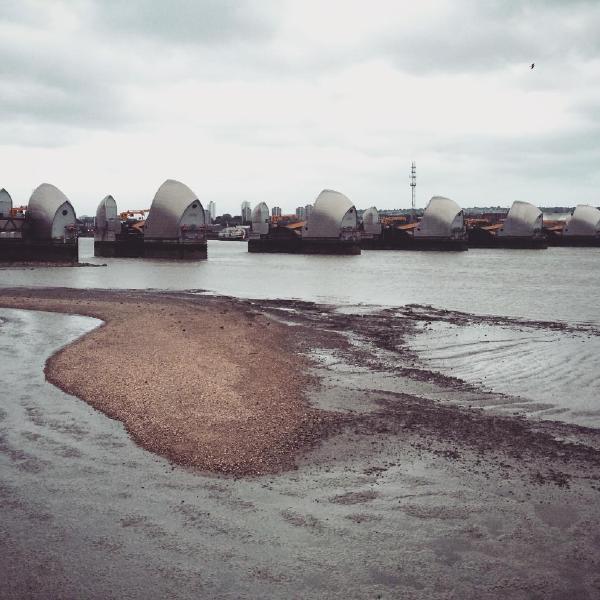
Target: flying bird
column 532, row 65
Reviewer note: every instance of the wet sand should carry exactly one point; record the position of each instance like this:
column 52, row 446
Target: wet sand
column 420, row 486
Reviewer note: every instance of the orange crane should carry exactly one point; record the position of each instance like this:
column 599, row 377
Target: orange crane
column 18, row 211
column 132, row 213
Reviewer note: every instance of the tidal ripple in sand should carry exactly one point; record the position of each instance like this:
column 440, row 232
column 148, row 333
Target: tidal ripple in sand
column 554, row 372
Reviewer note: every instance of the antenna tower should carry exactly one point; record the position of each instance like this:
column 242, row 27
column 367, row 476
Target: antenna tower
column 413, row 183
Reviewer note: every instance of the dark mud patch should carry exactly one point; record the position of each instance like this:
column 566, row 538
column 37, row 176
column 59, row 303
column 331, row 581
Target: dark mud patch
column 479, row 439
column 363, row 518
column 31, row 265
column 299, row 520
column 354, row 497
column 428, row 314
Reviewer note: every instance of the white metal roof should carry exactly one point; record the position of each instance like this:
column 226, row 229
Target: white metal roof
column 49, row 212
column 371, row 223
column 174, row 206
column 107, row 220
column 585, row 220
column 5, row 202
column 442, row 218
column 260, row 218
column 331, row 213
column 523, row 220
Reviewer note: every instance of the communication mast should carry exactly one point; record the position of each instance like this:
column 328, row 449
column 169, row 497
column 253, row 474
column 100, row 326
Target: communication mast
column 413, row 183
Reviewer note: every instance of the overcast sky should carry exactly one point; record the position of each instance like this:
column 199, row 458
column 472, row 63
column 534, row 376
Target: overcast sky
column 275, row 100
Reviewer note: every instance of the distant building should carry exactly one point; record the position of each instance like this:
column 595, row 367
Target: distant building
column 300, row 213
column 228, row 220
column 212, row 212
column 276, row 211
column 307, row 211
column 398, row 212
column 246, row 212
column 260, row 220
column 86, row 225
column 87, row 221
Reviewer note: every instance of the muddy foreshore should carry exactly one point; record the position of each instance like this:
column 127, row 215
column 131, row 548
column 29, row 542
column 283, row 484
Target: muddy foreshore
column 410, row 483
column 220, row 384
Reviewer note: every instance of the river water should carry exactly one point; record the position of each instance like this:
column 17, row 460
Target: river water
column 556, row 371
column 554, row 284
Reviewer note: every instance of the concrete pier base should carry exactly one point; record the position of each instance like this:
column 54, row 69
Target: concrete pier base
column 136, row 247
column 304, row 246
column 446, row 245
column 578, row 241
column 406, row 242
column 327, row 246
column 178, row 250
column 16, row 250
column 273, row 245
column 517, row 243
column 125, row 247
column 481, row 238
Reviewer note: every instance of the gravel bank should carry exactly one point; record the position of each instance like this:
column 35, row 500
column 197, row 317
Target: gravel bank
column 203, row 381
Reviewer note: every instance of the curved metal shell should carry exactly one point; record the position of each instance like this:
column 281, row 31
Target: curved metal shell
column 332, row 213
column 5, row 203
column 443, row 218
column 260, row 219
column 174, row 208
column 585, row 220
column 50, row 214
column 371, row 223
column 108, row 223
column 523, row 220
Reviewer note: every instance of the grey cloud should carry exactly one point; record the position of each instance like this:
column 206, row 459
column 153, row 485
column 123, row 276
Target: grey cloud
column 45, row 89
column 190, row 21
column 591, row 113
column 22, row 12
column 30, row 101
column 560, row 156
column 478, row 36
column 66, row 86
column 57, row 81
column 19, row 132
column 472, row 36
column 77, row 77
